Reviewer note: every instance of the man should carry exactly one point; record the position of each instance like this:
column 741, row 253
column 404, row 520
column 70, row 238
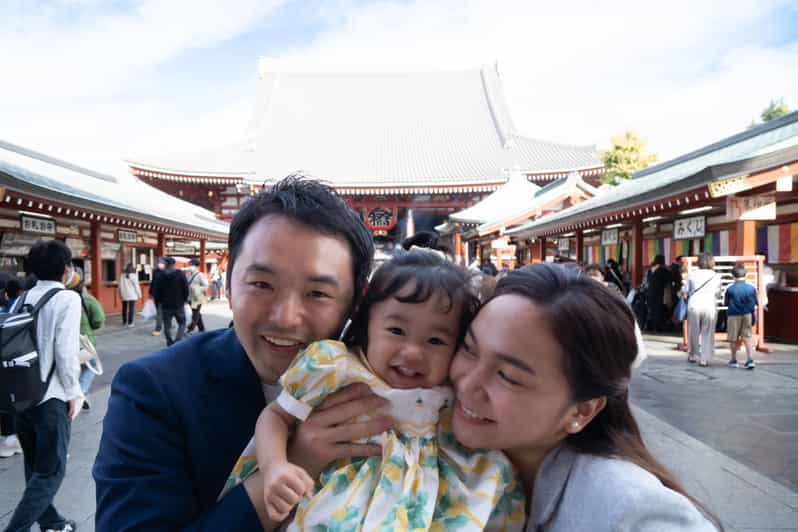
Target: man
column 173, row 292
column 197, row 295
column 156, row 276
column 740, row 300
column 44, row 430
column 178, row 420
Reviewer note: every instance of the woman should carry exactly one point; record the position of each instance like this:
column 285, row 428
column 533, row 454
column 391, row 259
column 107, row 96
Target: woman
column 129, row 292
column 702, row 290
column 542, row 350
column 92, row 317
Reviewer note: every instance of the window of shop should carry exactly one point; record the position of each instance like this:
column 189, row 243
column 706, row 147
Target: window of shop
column 109, row 271
column 144, row 262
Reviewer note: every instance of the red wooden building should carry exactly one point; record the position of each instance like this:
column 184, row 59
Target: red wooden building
column 106, row 221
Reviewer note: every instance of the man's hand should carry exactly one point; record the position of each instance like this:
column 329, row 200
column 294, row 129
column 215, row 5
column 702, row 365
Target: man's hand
column 327, row 434
column 284, row 485
column 73, row 407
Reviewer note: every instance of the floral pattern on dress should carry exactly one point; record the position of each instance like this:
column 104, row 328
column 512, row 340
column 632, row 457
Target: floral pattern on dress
column 424, row 480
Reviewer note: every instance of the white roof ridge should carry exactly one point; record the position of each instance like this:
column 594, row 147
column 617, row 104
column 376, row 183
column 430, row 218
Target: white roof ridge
column 33, row 154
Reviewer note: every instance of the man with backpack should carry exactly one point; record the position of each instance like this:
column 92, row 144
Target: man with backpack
column 43, row 428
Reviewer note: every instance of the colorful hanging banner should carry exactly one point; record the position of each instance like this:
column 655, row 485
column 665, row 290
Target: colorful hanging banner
column 778, row 242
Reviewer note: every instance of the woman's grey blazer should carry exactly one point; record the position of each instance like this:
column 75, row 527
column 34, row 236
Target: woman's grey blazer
column 575, row 492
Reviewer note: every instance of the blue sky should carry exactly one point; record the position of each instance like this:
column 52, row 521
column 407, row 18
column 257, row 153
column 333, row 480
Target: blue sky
column 93, row 81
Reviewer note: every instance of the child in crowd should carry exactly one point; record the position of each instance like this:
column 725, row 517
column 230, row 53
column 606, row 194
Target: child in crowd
column 741, row 301
column 402, row 339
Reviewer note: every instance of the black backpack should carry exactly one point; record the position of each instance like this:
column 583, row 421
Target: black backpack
column 21, row 386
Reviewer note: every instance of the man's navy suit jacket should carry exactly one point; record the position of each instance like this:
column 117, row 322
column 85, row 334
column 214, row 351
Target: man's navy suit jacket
column 176, row 424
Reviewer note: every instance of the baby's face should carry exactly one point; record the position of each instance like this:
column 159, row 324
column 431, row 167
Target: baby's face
column 410, row 345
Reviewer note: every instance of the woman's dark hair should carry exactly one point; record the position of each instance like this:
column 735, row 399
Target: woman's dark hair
column 595, row 332
column 48, row 259
column 430, row 275
column 705, row 261
column 315, row 205
column 129, row 268
column 659, row 259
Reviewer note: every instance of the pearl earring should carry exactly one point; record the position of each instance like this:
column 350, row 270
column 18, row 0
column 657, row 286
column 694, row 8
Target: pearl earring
column 575, row 425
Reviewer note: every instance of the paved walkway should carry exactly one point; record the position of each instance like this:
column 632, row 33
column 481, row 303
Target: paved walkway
column 745, row 497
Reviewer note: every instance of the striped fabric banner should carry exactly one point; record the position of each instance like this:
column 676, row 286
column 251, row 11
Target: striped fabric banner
column 779, row 243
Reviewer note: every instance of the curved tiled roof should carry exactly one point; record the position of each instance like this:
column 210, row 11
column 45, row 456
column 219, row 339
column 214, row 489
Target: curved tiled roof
column 435, row 128
column 29, row 171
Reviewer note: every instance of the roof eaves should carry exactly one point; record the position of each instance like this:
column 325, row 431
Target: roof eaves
column 11, row 177
column 662, row 190
column 724, row 143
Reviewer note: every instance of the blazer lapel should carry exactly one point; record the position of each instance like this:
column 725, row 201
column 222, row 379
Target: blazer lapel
column 231, row 401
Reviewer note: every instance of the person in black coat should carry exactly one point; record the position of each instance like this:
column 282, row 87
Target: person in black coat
column 172, row 292
column 658, row 279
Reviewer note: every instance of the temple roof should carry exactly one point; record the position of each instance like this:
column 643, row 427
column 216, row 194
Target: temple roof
column 28, row 171
column 545, row 198
column 433, row 128
column 516, row 194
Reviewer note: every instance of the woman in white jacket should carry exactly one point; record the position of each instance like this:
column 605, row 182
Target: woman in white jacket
column 129, row 292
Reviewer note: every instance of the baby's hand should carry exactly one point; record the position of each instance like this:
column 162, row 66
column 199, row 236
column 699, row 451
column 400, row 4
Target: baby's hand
column 285, row 484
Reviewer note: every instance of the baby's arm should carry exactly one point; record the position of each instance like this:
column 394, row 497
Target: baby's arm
column 284, row 484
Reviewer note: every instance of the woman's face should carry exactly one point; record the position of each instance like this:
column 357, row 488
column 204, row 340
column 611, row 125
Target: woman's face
column 511, row 390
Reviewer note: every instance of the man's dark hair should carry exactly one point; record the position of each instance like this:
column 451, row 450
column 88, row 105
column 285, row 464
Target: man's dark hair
column 593, row 268
column 13, row 288
column 315, row 205
column 48, row 259
column 738, row 272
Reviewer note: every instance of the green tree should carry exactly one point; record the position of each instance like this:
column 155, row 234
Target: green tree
column 776, row 109
column 626, row 156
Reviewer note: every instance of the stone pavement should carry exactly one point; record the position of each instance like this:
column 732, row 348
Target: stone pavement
column 745, row 491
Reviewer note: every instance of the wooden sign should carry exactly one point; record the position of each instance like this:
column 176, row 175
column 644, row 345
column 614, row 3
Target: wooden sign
column 564, row 244
column 609, row 237
column 758, row 207
column 688, row 228
column 35, row 224
column 125, row 235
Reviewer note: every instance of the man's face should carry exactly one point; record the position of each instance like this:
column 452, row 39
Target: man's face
column 290, row 286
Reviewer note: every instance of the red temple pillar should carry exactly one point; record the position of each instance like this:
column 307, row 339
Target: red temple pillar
column 95, row 244
column 458, row 247
column 202, row 255
column 160, row 250
column 637, row 253
column 746, row 238
column 580, row 251
column 542, row 250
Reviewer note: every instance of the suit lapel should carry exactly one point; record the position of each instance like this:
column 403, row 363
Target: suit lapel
column 231, row 401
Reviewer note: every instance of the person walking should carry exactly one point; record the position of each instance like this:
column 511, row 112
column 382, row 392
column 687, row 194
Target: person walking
column 92, row 317
column 11, row 292
column 44, row 430
column 741, row 302
column 658, row 279
column 173, row 293
column 197, row 295
column 156, row 276
column 702, row 289
column 129, row 292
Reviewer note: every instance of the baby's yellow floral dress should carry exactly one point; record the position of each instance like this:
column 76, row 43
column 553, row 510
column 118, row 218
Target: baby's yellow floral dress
column 424, row 480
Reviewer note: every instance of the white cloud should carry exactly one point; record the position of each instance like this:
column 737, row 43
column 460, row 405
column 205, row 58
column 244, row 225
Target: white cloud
column 682, row 73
